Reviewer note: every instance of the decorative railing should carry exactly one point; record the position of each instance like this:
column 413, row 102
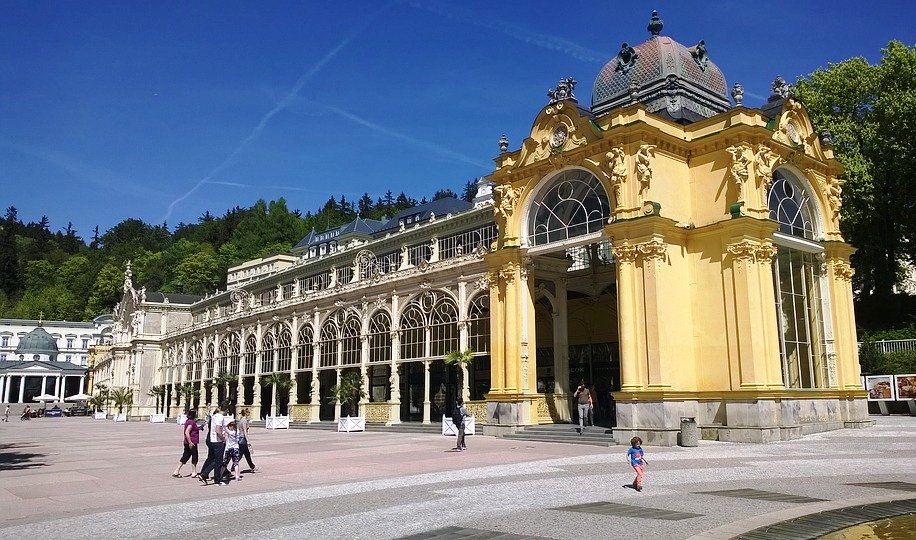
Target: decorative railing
column 893, row 345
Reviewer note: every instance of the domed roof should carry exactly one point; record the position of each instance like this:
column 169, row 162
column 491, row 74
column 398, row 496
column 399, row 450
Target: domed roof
column 668, row 78
column 38, row 341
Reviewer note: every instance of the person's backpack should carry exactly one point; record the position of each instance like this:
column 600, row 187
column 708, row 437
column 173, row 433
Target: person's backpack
column 457, row 417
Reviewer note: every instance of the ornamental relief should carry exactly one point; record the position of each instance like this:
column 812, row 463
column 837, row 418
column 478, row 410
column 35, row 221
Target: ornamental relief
column 765, row 160
column 654, row 250
column 617, row 170
column 624, row 253
column 765, row 253
column 842, row 269
column 745, row 250
column 505, row 197
column 644, row 156
column 739, row 168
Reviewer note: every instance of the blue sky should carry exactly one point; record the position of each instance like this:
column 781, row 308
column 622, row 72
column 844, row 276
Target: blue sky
column 163, row 110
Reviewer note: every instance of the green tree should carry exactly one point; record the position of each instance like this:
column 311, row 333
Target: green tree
column 105, row 291
column 10, row 277
column 199, row 272
column 461, row 360
column 122, row 397
column 348, row 392
column 279, row 383
column 871, row 111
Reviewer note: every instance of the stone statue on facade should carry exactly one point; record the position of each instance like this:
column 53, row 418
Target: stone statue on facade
column 643, row 166
column 617, row 167
column 506, row 197
column 564, row 90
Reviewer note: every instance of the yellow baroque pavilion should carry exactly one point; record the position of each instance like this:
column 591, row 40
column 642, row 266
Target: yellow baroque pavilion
column 676, row 250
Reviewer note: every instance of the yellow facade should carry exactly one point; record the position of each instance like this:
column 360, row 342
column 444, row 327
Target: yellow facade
column 693, row 244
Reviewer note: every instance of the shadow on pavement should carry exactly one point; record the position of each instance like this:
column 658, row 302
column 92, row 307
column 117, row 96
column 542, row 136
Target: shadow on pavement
column 13, row 457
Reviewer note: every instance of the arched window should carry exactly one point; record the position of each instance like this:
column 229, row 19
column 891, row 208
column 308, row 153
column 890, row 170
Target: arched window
column 268, row 351
column 479, row 324
column 197, row 352
column 379, row 337
column 223, row 358
column 328, row 344
column 798, row 284
column 235, row 348
column 574, row 204
column 210, row 362
column 443, row 326
column 413, row 332
column 251, row 354
column 284, row 352
column 306, row 346
column 350, row 347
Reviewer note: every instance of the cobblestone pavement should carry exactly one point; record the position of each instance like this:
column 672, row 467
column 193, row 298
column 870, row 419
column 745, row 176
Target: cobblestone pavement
column 80, row 478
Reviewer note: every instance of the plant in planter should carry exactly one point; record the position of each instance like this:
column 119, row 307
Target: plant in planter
column 279, row 383
column 348, row 392
column 97, row 402
column 188, row 391
column 157, row 392
column 104, row 393
column 122, row 397
column 224, row 383
column 462, row 360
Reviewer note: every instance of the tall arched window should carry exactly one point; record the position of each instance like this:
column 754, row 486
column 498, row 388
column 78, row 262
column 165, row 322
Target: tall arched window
column 268, row 351
column 350, row 346
column 208, row 374
column 196, row 354
column 413, row 332
column 798, row 283
column 251, row 354
column 443, row 326
column 479, row 324
column 284, row 352
column 306, row 345
column 573, row 204
column 379, row 337
column 328, row 345
column 235, row 348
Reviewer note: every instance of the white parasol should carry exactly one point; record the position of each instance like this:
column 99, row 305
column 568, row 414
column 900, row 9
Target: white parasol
column 79, row 397
column 46, row 397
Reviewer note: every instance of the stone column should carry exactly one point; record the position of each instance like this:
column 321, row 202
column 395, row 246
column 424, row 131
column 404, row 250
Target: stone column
column 44, row 384
column 560, row 340
column 337, row 403
column 58, row 391
column 394, row 380
column 364, row 372
column 315, row 401
column 293, row 398
column 426, row 392
column 21, row 389
column 625, row 257
column 82, row 388
column 6, row 389
column 654, row 256
column 256, row 387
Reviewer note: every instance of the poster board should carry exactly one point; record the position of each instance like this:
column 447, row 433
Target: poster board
column 880, row 387
column 905, row 386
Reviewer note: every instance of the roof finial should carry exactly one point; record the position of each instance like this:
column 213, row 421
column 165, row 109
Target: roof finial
column 655, row 24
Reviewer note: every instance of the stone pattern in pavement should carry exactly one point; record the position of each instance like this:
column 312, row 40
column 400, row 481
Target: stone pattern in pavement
column 94, row 479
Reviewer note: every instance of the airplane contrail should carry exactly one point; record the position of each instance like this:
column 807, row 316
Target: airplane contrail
column 538, row 39
column 451, row 154
column 284, row 103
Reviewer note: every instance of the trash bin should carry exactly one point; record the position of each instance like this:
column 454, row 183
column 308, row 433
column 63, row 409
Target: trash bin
column 690, row 432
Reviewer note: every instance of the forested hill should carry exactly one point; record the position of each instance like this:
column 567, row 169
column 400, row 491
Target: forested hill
column 65, row 276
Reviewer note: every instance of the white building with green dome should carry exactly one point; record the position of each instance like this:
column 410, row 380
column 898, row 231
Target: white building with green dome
column 46, row 357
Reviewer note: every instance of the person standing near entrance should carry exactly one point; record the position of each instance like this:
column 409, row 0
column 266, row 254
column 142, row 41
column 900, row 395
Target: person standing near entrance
column 461, row 412
column 6, row 414
column 584, row 402
column 216, row 456
column 593, row 406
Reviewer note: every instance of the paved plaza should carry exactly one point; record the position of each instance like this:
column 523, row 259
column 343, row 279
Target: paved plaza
column 79, row 478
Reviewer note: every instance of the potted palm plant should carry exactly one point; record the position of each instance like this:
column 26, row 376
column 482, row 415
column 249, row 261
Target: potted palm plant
column 225, row 382
column 122, row 397
column 347, row 393
column 279, row 383
column 462, row 360
column 187, row 391
column 97, row 402
column 157, row 392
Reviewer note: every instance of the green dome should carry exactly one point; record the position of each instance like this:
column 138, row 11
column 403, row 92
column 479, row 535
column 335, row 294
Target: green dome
column 38, row 341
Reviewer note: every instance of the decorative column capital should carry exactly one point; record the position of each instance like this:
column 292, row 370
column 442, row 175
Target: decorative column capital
column 624, row 252
column 842, row 269
column 765, row 253
column 745, row 250
column 654, row 249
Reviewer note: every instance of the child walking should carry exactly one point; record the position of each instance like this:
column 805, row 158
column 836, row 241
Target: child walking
column 636, row 457
column 232, row 448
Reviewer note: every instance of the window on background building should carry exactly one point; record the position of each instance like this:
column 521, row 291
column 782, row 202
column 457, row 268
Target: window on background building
column 69, row 343
column 85, row 343
column 798, row 283
column 3, row 357
column 69, row 358
column 5, row 341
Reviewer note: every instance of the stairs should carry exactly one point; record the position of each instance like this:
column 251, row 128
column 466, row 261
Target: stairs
column 565, row 433
column 405, row 427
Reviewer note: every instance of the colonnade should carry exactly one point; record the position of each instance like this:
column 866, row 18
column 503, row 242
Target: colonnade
column 60, row 384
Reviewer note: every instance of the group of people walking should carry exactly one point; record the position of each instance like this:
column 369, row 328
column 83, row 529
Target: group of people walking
column 227, row 440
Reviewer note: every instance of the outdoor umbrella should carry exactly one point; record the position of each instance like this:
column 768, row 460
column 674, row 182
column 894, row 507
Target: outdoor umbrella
column 78, row 397
column 45, row 397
